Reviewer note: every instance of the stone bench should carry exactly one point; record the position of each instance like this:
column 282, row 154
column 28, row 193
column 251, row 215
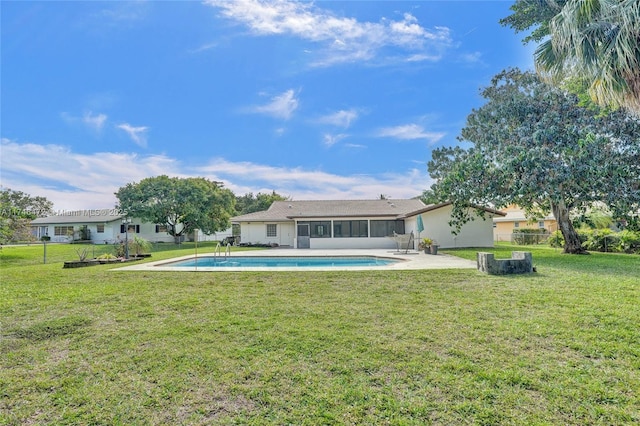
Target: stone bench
column 521, row 262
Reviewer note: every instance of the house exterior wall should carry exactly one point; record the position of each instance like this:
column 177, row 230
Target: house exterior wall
column 110, row 235
column 352, row 243
column 216, row 236
column 504, row 226
column 256, row 233
column 476, row 233
column 502, row 230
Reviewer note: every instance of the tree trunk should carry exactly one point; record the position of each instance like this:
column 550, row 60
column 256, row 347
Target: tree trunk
column 572, row 243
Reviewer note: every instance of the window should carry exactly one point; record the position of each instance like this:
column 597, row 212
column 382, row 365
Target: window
column 541, row 224
column 385, row 228
column 100, row 229
column 161, row 228
column 132, row 228
column 272, row 230
column 320, row 229
column 63, row 230
column 350, row 228
column 516, row 224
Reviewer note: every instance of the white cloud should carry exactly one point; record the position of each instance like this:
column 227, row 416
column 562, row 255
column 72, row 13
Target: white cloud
column 125, row 12
column 410, row 132
column 472, row 58
column 83, row 181
column 355, row 145
column 94, row 121
column 73, row 180
column 205, row 47
column 421, row 57
column 303, row 184
column 137, row 134
column 281, row 106
column 342, row 118
column 330, row 140
column 341, row 39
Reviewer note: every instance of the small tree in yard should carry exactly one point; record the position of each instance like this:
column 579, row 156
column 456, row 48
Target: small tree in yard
column 17, row 210
column 531, row 145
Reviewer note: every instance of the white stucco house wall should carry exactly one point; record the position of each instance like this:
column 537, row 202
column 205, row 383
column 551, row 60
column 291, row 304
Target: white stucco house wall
column 104, row 226
column 359, row 224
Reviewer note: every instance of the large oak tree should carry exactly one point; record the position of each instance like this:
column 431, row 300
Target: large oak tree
column 181, row 204
column 531, row 145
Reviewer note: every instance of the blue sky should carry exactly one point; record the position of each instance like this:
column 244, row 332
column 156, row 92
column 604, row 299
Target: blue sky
column 323, row 100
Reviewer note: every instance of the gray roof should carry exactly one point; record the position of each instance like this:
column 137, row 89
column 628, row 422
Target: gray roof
column 80, row 216
column 431, row 207
column 520, row 216
column 285, row 211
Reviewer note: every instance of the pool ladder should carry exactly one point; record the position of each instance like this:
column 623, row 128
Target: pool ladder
column 227, row 251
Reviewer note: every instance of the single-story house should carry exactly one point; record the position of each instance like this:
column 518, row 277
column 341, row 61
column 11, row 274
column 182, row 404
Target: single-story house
column 104, row 226
column 325, row 224
column 514, row 218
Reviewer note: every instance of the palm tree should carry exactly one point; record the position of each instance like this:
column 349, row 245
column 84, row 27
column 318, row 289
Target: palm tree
column 597, row 40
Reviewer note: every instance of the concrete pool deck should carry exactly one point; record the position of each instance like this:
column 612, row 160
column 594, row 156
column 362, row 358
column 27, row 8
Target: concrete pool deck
column 409, row 261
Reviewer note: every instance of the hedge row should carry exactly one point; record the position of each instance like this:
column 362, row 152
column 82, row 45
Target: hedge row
column 604, row 240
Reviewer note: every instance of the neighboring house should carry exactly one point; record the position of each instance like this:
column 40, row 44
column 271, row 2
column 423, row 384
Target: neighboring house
column 323, row 224
column 100, row 227
column 515, row 218
column 97, row 227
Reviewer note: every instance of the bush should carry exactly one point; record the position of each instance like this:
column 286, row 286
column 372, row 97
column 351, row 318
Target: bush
column 556, row 239
column 604, row 240
column 584, row 234
column 137, row 246
column 629, row 241
column 106, row 256
column 528, row 236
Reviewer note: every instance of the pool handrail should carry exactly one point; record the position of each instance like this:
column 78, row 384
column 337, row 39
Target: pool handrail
column 218, row 249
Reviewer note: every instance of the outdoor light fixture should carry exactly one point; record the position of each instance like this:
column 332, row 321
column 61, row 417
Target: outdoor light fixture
column 126, row 221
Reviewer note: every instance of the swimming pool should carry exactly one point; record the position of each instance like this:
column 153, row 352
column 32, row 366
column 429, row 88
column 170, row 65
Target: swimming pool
column 281, row 261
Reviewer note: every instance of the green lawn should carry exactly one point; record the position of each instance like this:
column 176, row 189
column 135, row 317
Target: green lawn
column 96, row 346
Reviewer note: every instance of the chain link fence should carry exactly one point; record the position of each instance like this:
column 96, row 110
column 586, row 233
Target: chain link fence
column 37, row 253
column 523, row 238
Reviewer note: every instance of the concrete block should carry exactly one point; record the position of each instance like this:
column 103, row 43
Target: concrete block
column 521, row 262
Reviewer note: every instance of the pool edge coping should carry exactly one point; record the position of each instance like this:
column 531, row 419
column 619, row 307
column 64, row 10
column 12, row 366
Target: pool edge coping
column 408, row 261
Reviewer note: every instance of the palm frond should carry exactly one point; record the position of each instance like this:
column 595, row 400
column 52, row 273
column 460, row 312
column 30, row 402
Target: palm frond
column 598, row 40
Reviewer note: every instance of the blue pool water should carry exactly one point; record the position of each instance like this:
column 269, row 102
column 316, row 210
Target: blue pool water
column 241, row 262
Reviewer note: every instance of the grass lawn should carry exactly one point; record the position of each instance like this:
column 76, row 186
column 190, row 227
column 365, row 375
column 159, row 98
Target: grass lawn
column 96, row 346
